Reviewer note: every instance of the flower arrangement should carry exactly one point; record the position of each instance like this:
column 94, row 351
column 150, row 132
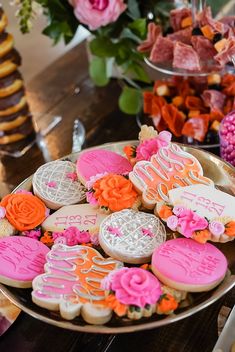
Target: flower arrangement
column 187, row 222
column 117, row 26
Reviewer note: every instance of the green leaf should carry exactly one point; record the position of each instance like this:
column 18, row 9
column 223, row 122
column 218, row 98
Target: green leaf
column 98, row 71
column 137, row 72
column 130, row 100
column 127, row 33
column 133, row 9
column 103, row 47
column 56, row 30
column 139, row 27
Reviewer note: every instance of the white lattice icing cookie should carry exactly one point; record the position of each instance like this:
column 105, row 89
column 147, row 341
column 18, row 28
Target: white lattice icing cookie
column 71, row 283
column 83, row 216
column 56, row 184
column 170, row 168
column 131, row 236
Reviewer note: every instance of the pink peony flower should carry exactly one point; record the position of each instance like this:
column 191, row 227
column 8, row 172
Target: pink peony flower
column 172, row 222
column 135, row 286
column 190, row 222
column 71, row 235
column 216, row 228
column 2, row 212
column 83, row 237
column 149, row 147
column 35, row 234
column 91, row 199
column 93, row 179
column 97, row 13
column 178, row 209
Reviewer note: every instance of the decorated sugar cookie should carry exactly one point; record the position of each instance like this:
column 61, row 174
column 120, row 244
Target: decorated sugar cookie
column 57, row 185
column 170, row 168
column 21, row 260
column 187, row 265
column 100, row 161
column 71, row 283
column 113, row 192
column 136, row 293
column 200, row 212
column 83, row 216
column 24, row 211
column 131, row 236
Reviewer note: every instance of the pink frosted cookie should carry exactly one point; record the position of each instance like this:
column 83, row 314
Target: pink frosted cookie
column 56, row 184
column 131, row 236
column 21, row 260
column 190, row 266
column 170, row 168
column 100, row 161
column 71, row 283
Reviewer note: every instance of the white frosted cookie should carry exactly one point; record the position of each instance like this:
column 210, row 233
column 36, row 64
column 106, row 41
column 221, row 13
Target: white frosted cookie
column 83, row 216
column 170, row 168
column 131, row 236
column 56, row 184
column 71, row 283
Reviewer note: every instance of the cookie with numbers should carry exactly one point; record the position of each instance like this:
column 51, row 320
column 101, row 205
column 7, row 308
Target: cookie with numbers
column 56, row 184
column 131, row 236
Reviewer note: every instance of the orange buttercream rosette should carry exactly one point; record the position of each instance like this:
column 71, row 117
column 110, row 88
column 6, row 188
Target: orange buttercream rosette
column 24, row 211
column 114, row 192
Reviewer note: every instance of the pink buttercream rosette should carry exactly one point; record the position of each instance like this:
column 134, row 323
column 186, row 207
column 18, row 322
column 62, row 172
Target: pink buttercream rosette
column 133, row 286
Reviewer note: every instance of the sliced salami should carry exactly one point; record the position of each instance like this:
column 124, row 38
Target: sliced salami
column 162, row 50
column 183, row 36
column 213, row 99
column 227, row 53
column 185, row 57
column 153, row 32
column 176, row 17
column 203, row 47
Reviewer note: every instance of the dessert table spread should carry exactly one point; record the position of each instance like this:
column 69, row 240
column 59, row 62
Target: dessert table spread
column 64, row 88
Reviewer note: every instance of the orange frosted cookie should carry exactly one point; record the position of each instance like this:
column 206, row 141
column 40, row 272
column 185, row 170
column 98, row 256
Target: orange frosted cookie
column 24, row 211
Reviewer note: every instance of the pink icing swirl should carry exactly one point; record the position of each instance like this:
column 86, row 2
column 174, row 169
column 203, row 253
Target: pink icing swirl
column 149, row 147
column 216, row 228
column 190, row 222
column 135, row 286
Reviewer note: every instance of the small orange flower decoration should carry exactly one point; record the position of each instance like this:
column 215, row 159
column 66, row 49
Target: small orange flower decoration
column 119, row 308
column 24, row 211
column 201, row 236
column 114, row 192
column 230, row 228
column 47, row 239
column 166, row 304
column 165, row 212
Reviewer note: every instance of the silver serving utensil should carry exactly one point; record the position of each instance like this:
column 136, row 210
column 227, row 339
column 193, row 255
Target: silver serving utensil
column 39, row 140
column 79, row 135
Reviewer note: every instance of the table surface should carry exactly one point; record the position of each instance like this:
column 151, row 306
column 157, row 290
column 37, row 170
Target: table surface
column 65, row 89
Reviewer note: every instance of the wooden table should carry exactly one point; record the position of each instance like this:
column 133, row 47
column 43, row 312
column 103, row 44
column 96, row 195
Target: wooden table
column 51, row 93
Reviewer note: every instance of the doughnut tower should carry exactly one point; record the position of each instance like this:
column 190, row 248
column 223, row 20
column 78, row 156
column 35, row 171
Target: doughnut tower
column 16, row 125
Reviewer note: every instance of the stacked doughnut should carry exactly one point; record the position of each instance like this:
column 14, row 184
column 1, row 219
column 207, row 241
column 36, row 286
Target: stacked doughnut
column 16, row 125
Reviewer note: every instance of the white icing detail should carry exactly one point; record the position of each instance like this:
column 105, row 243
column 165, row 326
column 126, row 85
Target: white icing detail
column 133, row 244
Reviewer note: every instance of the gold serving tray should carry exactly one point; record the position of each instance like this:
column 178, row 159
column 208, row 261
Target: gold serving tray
column 223, row 176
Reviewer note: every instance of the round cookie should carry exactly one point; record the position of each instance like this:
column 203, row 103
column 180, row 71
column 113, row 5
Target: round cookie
column 99, row 161
column 131, row 236
column 187, row 265
column 57, row 185
column 21, row 260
